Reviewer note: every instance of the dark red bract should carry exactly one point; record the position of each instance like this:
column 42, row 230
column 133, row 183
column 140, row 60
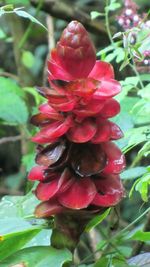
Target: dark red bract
column 78, row 166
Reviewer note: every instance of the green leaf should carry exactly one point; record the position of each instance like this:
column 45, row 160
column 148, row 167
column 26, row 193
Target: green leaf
column 8, row 85
column 97, row 219
column 28, row 161
column 140, row 236
column 31, row 90
column 133, row 173
column 39, row 257
column 26, row 15
column 2, row 34
column 18, row 206
column 95, row 14
column 113, row 6
column 13, row 109
column 28, row 59
column 14, row 235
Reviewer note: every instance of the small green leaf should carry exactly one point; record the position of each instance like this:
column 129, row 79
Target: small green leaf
column 95, row 14
column 28, row 59
column 97, row 219
column 14, row 235
column 140, row 236
column 39, row 257
column 113, row 6
column 133, row 173
column 13, row 109
column 26, row 15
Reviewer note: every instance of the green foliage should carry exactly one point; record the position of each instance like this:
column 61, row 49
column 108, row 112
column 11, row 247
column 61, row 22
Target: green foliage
column 39, row 257
column 25, row 239
column 28, row 59
column 15, row 235
column 9, row 9
column 142, row 185
column 13, row 109
column 97, row 220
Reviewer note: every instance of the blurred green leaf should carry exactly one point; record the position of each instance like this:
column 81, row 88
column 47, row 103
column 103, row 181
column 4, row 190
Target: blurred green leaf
column 14, row 235
column 13, row 109
column 39, row 257
column 26, row 15
column 28, row 161
column 140, row 236
column 95, row 14
column 28, row 59
column 133, row 173
column 97, row 219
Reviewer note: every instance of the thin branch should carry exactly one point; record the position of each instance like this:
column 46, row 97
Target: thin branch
column 60, row 9
column 139, row 245
column 7, row 74
column 10, row 139
column 51, row 44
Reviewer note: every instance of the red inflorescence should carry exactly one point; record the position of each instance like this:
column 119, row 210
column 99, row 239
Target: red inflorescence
column 78, row 165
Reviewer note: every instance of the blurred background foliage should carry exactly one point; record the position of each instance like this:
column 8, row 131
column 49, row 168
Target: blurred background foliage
column 24, row 50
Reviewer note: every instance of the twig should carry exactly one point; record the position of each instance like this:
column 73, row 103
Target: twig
column 6, row 191
column 7, row 74
column 62, row 10
column 10, row 139
column 51, row 44
column 139, row 244
column 30, row 27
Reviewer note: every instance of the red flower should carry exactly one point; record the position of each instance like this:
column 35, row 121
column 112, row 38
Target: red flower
column 80, row 166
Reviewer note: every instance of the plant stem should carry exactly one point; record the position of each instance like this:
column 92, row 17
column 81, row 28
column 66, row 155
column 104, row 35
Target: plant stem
column 139, row 245
column 29, row 29
column 118, row 234
column 107, row 22
column 133, row 67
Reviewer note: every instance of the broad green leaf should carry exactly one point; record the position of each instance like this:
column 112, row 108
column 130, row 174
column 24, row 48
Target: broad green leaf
column 39, row 257
column 14, row 234
column 97, row 219
column 145, row 92
column 18, row 206
column 140, row 260
column 13, row 109
column 26, row 15
column 133, row 173
column 140, row 236
column 145, row 77
column 16, row 2
column 8, row 85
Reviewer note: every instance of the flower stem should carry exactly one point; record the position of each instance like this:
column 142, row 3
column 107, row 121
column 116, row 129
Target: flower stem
column 107, row 22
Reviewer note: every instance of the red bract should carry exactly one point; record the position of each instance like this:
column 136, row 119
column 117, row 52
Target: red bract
column 79, row 168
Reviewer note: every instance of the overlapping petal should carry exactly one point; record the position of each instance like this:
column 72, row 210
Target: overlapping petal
column 115, row 158
column 79, row 195
column 82, row 132
column 110, row 191
column 51, row 132
column 102, row 70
